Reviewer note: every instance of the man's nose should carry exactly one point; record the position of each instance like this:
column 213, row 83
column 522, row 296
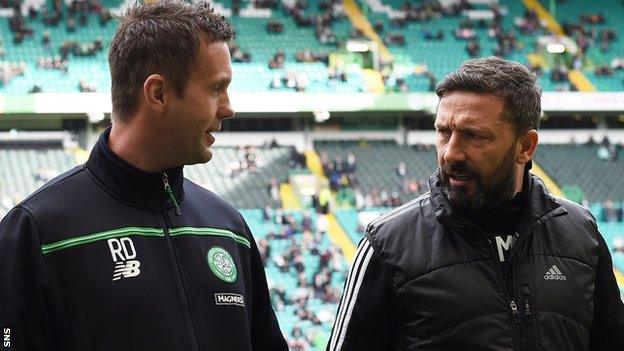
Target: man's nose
column 454, row 150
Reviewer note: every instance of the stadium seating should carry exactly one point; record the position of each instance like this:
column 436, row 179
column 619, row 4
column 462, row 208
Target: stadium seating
column 377, row 163
column 242, row 188
column 286, row 280
column 251, row 37
column 22, row 171
column 598, row 179
column 570, row 12
column 439, row 56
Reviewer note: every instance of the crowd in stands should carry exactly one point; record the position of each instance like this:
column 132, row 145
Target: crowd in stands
column 238, row 55
column 607, row 150
column 612, row 212
column 302, row 239
column 290, row 80
column 506, row 42
column 248, row 161
column 76, row 15
column 343, row 180
column 8, row 70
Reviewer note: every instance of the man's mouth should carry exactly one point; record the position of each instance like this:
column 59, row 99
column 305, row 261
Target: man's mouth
column 210, row 138
column 459, row 179
column 460, row 176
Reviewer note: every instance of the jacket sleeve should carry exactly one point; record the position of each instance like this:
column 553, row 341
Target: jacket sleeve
column 24, row 319
column 607, row 332
column 366, row 317
column 265, row 331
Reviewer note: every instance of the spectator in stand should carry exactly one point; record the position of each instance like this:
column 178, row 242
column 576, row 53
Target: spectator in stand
column 85, row 87
column 239, row 55
column 473, row 48
column 277, row 61
column 274, row 27
column 395, row 39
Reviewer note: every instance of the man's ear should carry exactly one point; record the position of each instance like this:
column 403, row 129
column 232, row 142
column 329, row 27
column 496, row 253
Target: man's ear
column 528, row 145
column 154, row 92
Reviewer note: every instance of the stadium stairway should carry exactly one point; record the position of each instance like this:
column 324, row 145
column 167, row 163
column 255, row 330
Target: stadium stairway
column 313, row 161
column 548, row 181
column 373, row 81
column 576, row 77
column 361, row 22
column 339, row 236
column 544, row 15
column 335, row 231
column 580, row 81
column 289, row 199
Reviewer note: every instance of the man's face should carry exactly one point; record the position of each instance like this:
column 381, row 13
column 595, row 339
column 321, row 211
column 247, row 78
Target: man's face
column 204, row 104
column 477, row 151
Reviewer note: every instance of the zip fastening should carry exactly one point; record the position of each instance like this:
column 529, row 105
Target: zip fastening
column 528, row 317
column 169, row 192
column 509, row 296
column 514, row 311
column 526, row 293
column 176, row 270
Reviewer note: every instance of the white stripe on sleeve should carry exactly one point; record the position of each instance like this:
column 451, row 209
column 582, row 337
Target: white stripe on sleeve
column 350, row 294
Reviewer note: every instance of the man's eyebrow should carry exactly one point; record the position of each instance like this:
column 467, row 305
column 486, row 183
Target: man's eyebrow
column 224, row 81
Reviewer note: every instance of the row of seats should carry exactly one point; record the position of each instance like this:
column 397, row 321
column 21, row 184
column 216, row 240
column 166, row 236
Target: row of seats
column 22, row 171
column 441, row 57
column 278, row 279
column 598, row 179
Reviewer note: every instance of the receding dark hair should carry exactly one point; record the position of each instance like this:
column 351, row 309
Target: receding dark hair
column 160, row 37
column 511, row 81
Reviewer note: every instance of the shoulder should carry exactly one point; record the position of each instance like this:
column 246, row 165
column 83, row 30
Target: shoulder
column 214, row 208
column 575, row 210
column 198, row 193
column 55, row 189
column 401, row 218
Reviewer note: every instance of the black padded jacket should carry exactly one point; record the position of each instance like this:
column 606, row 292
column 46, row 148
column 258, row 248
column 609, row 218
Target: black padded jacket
column 109, row 257
column 426, row 278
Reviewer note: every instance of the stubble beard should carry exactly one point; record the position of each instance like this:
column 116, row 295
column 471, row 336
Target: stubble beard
column 487, row 195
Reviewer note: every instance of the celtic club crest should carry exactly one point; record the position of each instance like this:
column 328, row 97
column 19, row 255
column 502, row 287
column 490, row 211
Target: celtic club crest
column 222, row 264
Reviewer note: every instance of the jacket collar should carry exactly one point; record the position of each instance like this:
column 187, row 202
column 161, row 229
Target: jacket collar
column 129, row 183
column 539, row 206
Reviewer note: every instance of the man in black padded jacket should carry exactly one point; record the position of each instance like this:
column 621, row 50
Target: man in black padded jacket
column 488, row 259
column 123, row 253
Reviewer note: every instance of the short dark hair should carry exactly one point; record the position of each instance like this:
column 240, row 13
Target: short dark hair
column 160, row 37
column 511, row 81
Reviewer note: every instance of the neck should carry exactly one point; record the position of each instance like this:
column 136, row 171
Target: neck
column 138, row 145
column 519, row 179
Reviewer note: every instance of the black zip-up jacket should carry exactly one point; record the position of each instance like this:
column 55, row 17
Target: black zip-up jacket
column 109, row 257
column 425, row 278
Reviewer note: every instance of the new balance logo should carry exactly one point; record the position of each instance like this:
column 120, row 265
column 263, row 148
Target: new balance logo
column 126, row 269
column 554, row 274
column 124, row 254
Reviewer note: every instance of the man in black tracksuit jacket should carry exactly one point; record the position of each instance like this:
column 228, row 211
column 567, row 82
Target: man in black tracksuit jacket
column 100, row 259
column 123, row 253
column 448, row 271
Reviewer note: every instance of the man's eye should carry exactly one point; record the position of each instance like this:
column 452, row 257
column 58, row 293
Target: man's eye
column 444, row 132
column 475, row 136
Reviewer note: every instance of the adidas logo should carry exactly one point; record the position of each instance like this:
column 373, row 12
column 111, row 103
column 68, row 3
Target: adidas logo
column 554, row 274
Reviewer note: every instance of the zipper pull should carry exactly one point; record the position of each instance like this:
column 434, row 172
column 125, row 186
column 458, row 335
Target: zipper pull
column 514, row 311
column 526, row 292
column 169, row 192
